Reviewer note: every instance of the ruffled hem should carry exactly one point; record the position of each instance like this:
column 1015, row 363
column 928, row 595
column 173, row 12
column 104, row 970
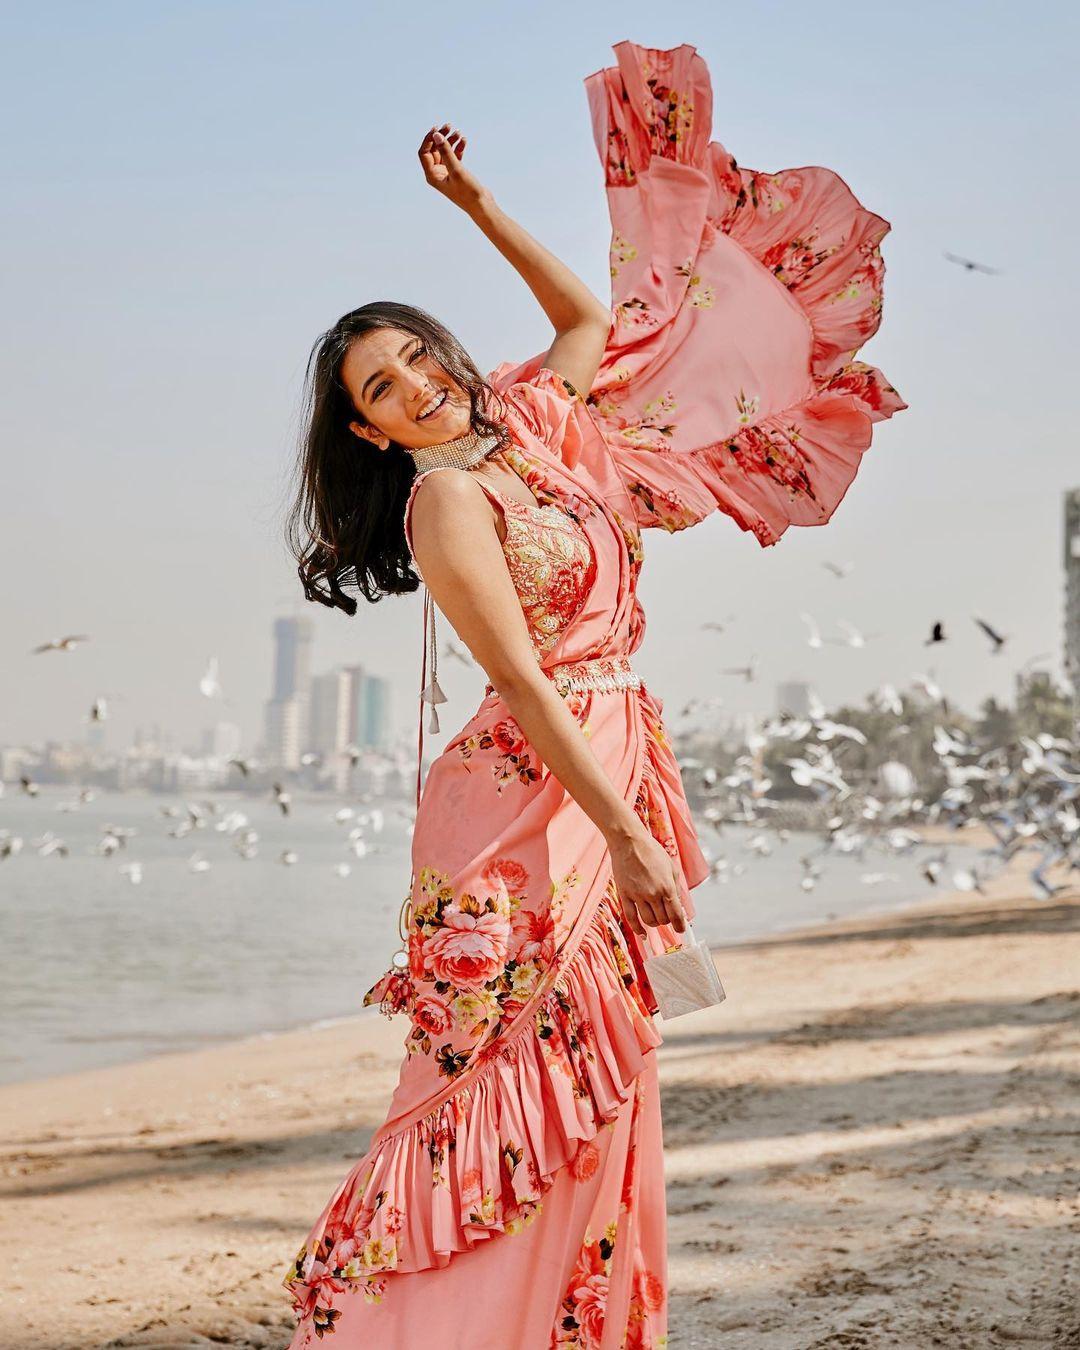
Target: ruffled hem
column 479, row 1165
column 788, row 456
column 793, row 468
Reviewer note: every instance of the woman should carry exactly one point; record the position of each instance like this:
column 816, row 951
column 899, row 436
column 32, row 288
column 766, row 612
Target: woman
column 514, row 1195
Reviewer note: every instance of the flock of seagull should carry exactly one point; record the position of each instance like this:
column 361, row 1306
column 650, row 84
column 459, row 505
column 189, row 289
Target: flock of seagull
column 1024, row 796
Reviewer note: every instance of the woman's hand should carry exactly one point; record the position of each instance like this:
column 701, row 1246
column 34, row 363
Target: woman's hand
column 647, row 881
column 440, row 154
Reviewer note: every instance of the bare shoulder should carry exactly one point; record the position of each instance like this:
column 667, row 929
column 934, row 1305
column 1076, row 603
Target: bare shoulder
column 447, row 502
column 441, row 488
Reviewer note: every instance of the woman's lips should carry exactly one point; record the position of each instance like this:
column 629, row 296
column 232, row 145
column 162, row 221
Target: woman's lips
column 436, row 411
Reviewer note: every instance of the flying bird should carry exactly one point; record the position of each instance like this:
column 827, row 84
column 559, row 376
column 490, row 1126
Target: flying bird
column 971, row 265
column 854, row 637
column 839, row 570
column 64, row 644
column 748, row 672
column 937, row 634
column 994, row 636
column 209, row 683
column 926, row 685
column 814, row 638
column 457, row 651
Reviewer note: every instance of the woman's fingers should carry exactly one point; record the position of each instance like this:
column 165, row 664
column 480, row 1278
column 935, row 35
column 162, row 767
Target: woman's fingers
column 633, row 918
column 678, row 921
column 645, row 911
column 427, row 154
column 659, row 909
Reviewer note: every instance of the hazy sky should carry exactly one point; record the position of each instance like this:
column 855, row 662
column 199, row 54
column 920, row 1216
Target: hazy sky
column 196, row 190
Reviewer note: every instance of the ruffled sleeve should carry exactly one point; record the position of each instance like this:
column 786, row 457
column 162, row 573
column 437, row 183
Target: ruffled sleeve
column 739, row 300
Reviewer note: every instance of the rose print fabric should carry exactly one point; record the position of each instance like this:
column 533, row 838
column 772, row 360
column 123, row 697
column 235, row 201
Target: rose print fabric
column 514, row 1193
column 739, row 301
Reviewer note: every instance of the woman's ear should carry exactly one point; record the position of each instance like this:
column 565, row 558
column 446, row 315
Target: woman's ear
column 370, row 434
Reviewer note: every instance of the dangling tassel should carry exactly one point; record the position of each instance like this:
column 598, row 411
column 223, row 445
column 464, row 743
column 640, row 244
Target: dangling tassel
column 432, row 692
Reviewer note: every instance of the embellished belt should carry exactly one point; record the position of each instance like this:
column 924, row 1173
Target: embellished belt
column 603, row 673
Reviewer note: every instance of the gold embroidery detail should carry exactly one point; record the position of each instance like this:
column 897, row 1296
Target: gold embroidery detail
column 552, row 567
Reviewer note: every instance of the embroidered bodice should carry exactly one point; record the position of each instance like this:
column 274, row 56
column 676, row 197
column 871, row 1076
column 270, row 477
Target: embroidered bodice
column 551, row 564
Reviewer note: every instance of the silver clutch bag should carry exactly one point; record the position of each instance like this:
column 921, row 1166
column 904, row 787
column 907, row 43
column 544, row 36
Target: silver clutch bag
column 685, row 979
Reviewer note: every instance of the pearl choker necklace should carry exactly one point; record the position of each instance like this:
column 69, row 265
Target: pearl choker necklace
column 460, row 453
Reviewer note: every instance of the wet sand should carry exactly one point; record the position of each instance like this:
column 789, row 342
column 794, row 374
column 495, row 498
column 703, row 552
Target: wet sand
column 872, row 1143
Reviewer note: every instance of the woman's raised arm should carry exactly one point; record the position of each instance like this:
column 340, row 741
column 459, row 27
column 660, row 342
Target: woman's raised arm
column 581, row 321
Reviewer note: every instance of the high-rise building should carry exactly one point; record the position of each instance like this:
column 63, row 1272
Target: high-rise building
column 285, row 733
column 1072, row 589
column 329, row 734
column 370, row 716
column 287, row 712
column 377, row 710
column 292, row 656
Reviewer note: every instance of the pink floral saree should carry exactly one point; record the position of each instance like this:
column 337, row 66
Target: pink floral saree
column 514, row 1195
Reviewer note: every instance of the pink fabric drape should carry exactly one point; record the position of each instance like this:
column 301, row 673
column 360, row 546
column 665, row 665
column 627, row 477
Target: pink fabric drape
column 514, row 1193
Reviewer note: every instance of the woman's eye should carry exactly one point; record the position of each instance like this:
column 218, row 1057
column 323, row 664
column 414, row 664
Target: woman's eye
column 420, row 351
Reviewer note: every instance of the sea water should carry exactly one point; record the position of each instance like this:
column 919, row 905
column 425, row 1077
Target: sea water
column 95, row 970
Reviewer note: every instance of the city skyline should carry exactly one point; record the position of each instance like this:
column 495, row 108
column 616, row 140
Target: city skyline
column 177, row 256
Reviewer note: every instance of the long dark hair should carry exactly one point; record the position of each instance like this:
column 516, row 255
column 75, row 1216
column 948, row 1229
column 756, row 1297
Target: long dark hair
column 347, row 520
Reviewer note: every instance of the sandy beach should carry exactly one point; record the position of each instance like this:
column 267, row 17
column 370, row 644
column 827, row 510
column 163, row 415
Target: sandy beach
column 872, row 1143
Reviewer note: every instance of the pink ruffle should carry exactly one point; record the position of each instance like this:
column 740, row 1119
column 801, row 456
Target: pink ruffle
column 790, row 469
column 791, row 457
column 479, row 1164
column 808, row 229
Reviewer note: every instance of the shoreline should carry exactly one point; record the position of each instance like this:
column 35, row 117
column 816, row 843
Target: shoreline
column 872, row 1138
column 931, row 836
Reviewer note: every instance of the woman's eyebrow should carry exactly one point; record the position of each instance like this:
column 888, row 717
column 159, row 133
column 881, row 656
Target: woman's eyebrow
column 363, row 391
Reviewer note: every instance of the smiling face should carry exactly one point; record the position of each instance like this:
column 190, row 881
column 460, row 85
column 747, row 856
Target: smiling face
column 401, row 393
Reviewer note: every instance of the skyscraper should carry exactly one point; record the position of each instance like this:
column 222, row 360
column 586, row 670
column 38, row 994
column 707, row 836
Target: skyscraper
column 377, row 710
column 292, row 656
column 1072, row 589
column 369, row 710
column 288, row 707
column 330, row 713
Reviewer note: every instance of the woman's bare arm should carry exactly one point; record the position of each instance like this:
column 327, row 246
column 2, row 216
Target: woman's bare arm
column 581, row 322
column 460, row 557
